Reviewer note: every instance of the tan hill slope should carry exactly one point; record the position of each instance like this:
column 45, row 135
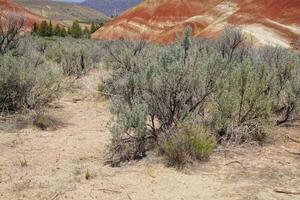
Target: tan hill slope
column 273, row 22
column 65, row 13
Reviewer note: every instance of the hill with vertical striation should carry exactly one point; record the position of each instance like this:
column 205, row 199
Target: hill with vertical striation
column 274, row 22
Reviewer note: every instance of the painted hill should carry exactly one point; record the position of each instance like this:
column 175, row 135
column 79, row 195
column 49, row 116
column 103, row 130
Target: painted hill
column 269, row 21
column 9, row 6
column 64, row 13
column 110, row 7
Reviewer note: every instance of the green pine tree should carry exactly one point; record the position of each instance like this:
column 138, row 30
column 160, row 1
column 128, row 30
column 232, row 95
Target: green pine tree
column 63, row 32
column 35, row 29
column 86, row 33
column 69, row 31
column 50, row 29
column 93, row 28
column 57, row 30
column 76, row 31
column 43, row 29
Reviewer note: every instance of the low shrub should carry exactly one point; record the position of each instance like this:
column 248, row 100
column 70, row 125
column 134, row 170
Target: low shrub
column 26, row 86
column 75, row 58
column 100, row 87
column 45, row 122
column 243, row 103
column 35, row 71
column 187, row 143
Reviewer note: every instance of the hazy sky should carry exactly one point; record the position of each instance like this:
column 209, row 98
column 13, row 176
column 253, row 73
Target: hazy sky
column 70, row 0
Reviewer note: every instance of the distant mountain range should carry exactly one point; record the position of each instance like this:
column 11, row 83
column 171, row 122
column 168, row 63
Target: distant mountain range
column 110, row 7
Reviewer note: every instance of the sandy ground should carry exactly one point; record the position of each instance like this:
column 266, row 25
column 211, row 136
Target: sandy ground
column 53, row 164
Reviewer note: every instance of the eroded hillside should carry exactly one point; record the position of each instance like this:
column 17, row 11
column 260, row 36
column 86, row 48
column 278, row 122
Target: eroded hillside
column 270, row 22
column 9, row 6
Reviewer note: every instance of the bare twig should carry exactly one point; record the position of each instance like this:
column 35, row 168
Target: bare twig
column 235, row 161
column 108, row 94
column 55, row 196
column 286, row 192
column 129, row 197
column 61, row 193
column 292, row 152
column 11, row 25
column 109, row 190
column 292, row 139
column 90, row 194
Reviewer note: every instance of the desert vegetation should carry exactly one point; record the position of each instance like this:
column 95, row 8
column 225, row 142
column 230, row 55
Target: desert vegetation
column 34, row 70
column 185, row 98
column 10, row 27
column 46, row 29
column 180, row 100
column 221, row 113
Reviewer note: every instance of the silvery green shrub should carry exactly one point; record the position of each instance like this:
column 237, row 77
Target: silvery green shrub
column 154, row 88
column 24, row 85
column 73, row 56
column 229, row 86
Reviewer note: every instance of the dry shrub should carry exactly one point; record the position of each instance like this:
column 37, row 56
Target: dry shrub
column 24, row 86
column 75, row 57
column 241, row 134
column 100, row 87
column 11, row 24
column 187, row 143
column 46, row 122
column 228, row 85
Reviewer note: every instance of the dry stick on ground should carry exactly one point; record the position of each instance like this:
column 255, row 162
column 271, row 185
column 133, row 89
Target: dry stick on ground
column 61, row 193
column 286, row 192
column 129, row 197
column 292, row 139
column 235, row 161
column 55, row 196
column 90, row 194
column 292, row 152
column 109, row 190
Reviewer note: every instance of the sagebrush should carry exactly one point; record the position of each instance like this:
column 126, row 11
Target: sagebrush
column 226, row 85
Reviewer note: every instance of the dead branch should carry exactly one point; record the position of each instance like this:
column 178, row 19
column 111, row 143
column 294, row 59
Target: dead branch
column 90, row 194
column 109, row 190
column 286, row 192
column 11, row 24
column 292, row 139
column 55, row 196
column 235, row 161
column 61, row 193
column 129, row 197
column 292, row 152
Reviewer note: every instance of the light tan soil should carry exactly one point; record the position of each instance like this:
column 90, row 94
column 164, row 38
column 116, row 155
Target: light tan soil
column 53, row 164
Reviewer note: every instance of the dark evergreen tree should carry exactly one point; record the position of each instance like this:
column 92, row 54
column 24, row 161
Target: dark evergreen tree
column 35, row 29
column 57, row 30
column 76, row 31
column 50, row 29
column 69, row 31
column 63, row 32
column 43, row 30
column 93, row 28
column 86, row 33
